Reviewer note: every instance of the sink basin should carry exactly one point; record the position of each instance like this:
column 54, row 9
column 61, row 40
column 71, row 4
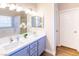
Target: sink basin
column 12, row 46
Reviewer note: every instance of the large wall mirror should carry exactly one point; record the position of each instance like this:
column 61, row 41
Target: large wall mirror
column 22, row 21
column 10, row 21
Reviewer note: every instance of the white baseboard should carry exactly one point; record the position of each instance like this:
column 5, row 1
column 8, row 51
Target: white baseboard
column 59, row 45
column 77, row 50
column 52, row 53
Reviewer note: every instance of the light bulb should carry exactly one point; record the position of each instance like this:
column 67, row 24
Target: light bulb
column 12, row 7
column 27, row 11
column 18, row 9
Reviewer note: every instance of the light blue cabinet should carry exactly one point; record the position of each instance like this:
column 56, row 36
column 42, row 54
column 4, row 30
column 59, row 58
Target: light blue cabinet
column 22, row 52
column 34, row 49
column 41, row 45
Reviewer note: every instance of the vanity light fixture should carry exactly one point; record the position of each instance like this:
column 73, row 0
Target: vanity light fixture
column 17, row 8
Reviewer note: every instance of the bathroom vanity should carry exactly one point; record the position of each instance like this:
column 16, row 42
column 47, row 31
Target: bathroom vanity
column 33, row 49
column 32, row 46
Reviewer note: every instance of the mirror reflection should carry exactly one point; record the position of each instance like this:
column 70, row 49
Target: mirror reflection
column 37, row 21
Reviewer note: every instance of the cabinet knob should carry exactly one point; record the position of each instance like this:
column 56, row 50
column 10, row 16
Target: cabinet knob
column 56, row 30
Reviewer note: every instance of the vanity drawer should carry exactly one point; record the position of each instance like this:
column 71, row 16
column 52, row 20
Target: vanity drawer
column 34, row 44
column 34, row 54
column 33, row 50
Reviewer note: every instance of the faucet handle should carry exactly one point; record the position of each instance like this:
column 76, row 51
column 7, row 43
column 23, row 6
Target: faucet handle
column 11, row 40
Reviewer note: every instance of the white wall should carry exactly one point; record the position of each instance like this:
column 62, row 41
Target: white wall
column 48, row 12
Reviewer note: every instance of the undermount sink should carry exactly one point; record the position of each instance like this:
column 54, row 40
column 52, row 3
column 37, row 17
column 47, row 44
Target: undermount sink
column 11, row 46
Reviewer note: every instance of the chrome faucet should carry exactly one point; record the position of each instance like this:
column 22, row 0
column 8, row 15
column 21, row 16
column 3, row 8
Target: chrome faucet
column 11, row 40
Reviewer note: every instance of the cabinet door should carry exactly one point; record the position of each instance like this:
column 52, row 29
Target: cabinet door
column 41, row 45
column 33, row 49
column 69, row 27
column 22, row 52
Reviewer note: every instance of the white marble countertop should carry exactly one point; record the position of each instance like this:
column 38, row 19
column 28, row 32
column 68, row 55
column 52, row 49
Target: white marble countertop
column 8, row 48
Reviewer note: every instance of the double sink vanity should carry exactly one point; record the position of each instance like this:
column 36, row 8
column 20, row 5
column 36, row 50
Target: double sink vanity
column 32, row 45
column 16, row 24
